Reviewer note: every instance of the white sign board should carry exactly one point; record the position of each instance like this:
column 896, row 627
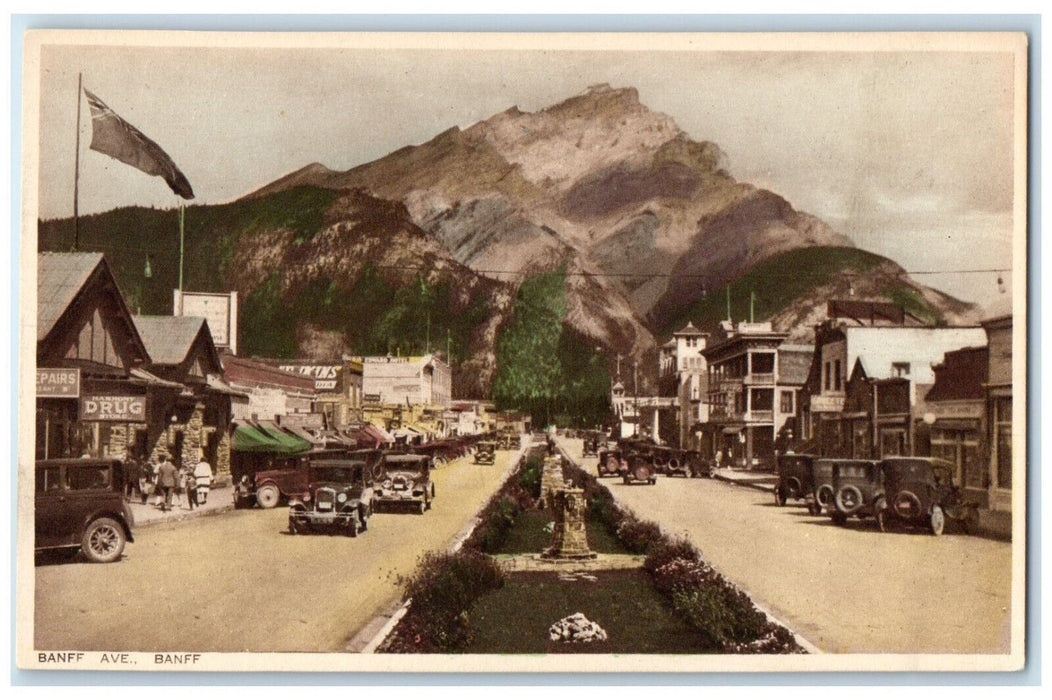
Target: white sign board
column 220, row 310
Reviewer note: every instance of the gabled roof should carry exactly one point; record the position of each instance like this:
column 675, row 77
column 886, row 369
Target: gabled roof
column 961, row 375
column 60, row 276
column 794, row 363
column 168, row 339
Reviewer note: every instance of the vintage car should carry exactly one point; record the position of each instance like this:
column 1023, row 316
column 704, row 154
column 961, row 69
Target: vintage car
column 640, row 470
column 611, row 463
column 822, row 482
column 509, row 441
column 699, row 466
column 591, row 445
column 338, row 498
column 796, row 480
column 486, row 452
column 920, row 491
column 858, row 487
column 270, row 487
column 406, row 484
column 80, row 506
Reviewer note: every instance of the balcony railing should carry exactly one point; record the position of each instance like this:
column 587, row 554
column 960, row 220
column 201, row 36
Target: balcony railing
column 759, row 416
column 755, row 378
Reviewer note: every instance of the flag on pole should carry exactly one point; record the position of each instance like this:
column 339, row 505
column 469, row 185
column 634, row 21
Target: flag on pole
column 118, row 139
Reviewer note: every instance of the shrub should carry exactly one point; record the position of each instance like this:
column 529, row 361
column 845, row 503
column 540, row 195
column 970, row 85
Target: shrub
column 530, row 477
column 442, row 588
column 668, row 550
column 639, row 536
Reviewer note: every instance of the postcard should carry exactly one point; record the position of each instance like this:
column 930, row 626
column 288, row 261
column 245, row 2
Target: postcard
column 523, row 352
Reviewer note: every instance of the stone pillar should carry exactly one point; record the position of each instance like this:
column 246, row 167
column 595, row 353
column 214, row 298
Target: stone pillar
column 193, row 435
column 117, row 445
column 569, row 537
column 551, row 480
column 222, row 465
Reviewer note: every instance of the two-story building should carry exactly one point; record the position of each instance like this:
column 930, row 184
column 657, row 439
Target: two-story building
column 999, row 411
column 683, row 374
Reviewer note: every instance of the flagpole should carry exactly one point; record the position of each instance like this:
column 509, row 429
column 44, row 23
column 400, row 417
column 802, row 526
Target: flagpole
column 76, row 173
column 181, row 209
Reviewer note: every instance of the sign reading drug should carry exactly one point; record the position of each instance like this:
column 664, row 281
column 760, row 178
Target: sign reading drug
column 123, row 409
column 58, row 383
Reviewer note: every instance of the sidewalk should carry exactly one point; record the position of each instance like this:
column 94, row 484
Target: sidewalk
column 764, row 481
column 220, row 499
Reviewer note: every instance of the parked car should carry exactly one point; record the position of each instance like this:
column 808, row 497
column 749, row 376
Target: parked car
column 822, row 481
column 80, row 506
column 611, row 463
column 699, row 466
column 338, row 498
column 591, row 446
column 406, row 483
column 920, row 491
column 796, row 480
column 640, row 470
column 486, row 452
column 859, row 488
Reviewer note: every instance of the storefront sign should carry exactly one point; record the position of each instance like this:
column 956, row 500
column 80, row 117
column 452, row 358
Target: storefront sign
column 371, row 398
column 955, row 410
column 58, row 383
column 123, row 409
column 327, row 378
column 827, row 404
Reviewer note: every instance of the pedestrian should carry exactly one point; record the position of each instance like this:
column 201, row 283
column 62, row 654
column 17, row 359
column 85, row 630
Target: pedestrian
column 180, row 487
column 191, row 490
column 147, row 480
column 166, row 479
column 203, row 476
column 719, row 458
column 131, row 476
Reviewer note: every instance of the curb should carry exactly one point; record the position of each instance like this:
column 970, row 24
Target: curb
column 800, row 640
column 183, row 517
column 400, row 609
column 746, row 483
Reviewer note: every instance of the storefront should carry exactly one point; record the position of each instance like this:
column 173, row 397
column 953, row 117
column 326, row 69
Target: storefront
column 87, row 393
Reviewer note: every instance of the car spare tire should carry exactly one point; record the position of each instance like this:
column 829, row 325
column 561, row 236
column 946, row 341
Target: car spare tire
column 907, row 505
column 824, row 495
column 793, row 488
column 848, row 499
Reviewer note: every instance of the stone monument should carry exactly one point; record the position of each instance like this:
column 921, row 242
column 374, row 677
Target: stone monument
column 551, row 480
column 569, row 538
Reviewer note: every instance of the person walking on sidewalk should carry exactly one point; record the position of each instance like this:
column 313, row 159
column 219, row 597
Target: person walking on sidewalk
column 191, row 489
column 203, row 475
column 166, row 479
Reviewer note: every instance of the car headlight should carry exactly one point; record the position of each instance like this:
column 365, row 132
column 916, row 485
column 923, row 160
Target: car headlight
column 342, row 498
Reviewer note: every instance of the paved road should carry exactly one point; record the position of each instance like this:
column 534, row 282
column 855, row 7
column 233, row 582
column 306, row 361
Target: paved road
column 237, row 581
column 845, row 589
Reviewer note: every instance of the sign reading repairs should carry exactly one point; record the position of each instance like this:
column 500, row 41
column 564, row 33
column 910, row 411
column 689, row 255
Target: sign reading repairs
column 124, row 409
column 55, row 383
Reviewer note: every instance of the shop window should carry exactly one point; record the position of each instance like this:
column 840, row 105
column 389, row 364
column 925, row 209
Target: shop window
column 836, row 375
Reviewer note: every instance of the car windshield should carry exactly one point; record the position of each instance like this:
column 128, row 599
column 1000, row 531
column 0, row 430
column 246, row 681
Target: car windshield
column 795, row 462
column 909, row 469
column 853, row 471
column 337, row 474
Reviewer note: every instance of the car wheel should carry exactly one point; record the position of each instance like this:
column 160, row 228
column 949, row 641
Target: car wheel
column 779, row 496
column 292, row 527
column 268, row 496
column 938, row 520
column 363, row 516
column 813, row 508
column 824, row 496
column 103, row 541
column 421, row 507
column 793, row 488
column 848, row 499
column 354, row 527
column 432, row 490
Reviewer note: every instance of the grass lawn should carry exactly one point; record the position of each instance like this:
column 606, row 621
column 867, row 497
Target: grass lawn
column 527, row 536
column 516, row 618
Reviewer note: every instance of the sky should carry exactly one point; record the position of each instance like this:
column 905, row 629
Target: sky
column 909, row 152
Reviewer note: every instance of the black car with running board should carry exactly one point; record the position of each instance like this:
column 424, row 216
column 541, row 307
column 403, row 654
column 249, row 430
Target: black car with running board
column 338, row 499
